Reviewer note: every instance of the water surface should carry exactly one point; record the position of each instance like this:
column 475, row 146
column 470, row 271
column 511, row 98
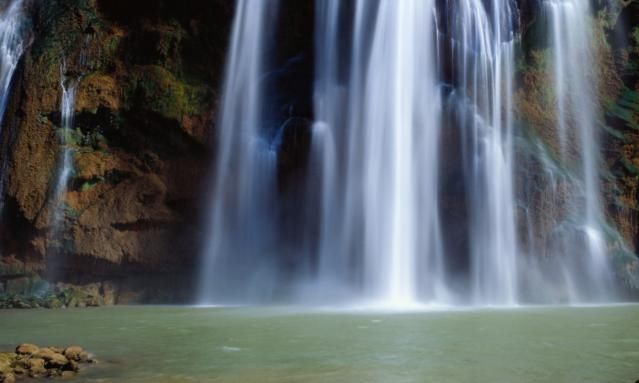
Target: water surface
column 166, row 344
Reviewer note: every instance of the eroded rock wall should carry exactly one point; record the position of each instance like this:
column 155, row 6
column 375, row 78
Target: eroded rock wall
column 149, row 82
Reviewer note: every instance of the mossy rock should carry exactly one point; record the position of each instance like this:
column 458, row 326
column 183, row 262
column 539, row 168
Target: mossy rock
column 6, row 360
column 156, row 89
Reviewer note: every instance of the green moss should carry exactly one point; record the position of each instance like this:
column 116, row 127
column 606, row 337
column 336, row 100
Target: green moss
column 634, row 170
column 90, row 184
column 52, row 297
column 627, row 108
column 156, row 89
column 68, row 136
column 111, row 45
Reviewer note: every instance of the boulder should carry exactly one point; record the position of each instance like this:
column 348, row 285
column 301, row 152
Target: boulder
column 37, row 368
column 7, row 378
column 52, row 358
column 74, row 353
column 31, row 361
column 27, row 349
column 19, row 371
column 6, row 360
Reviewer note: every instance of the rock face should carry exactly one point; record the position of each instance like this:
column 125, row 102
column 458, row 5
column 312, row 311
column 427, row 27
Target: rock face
column 146, row 101
column 149, row 75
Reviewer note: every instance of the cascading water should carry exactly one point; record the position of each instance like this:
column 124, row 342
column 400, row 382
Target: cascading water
column 69, row 87
column 482, row 51
column 323, row 177
column 390, row 135
column 12, row 35
column 11, row 48
column 56, row 237
column 574, row 72
column 396, row 83
column 238, row 254
column 400, row 114
column 71, row 73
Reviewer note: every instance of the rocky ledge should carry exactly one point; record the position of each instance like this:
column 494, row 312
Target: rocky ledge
column 31, row 361
column 44, row 295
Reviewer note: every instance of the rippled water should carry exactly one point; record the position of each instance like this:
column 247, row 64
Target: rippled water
column 164, row 344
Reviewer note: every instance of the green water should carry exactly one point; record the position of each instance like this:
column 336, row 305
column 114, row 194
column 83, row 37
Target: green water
column 160, row 344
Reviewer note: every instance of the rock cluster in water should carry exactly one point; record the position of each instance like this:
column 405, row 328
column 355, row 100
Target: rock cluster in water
column 31, row 361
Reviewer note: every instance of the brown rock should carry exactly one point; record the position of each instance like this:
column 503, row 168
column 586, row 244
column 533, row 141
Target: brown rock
column 123, row 211
column 74, row 353
column 21, row 362
column 7, row 378
column 98, row 90
column 97, row 164
column 27, row 349
column 84, row 357
column 51, row 358
column 37, row 368
column 6, row 360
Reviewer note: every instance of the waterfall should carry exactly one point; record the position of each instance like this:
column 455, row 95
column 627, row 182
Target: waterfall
column 11, row 48
column 482, row 50
column 391, row 139
column 383, row 108
column 238, row 260
column 56, row 236
column 12, row 35
column 414, row 113
column 400, row 114
column 72, row 70
column 69, row 86
column 323, row 177
column 573, row 69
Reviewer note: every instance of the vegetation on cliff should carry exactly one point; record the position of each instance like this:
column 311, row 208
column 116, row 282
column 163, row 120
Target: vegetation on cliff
column 148, row 77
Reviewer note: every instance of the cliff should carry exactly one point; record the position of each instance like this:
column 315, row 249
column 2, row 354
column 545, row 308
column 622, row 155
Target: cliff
column 149, row 75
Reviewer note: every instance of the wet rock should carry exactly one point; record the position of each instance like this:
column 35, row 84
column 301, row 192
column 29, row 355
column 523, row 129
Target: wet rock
column 52, row 358
column 27, row 349
column 74, row 353
column 48, row 362
column 21, row 362
column 7, row 378
column 37, row 368
column 6, row 359
column 19, row 371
